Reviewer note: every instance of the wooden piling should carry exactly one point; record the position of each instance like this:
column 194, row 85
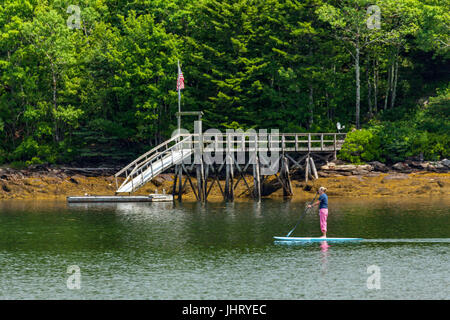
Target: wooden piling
column 205, row 183
column 313, row 167
column 198, row 169
column 180, row 183
column 229, row 178
column 334, row 147
column 175, row 179
column 307, row 169
column 284, row 173
column 256, row 179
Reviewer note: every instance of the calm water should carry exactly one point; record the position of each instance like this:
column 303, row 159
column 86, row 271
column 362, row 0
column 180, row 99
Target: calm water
column 223, row 250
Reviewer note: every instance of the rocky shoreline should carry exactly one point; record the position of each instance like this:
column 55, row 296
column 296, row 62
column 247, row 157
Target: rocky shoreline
column 374, row 179
column 409, row 166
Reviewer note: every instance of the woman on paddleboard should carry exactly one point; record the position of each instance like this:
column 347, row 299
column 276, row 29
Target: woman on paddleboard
column 323, row 210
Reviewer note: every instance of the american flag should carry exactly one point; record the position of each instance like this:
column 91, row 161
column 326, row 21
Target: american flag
column 180, row 80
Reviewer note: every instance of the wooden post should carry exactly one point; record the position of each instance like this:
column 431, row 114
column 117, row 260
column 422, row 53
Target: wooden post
column 256, row 179
column 309, row 142
column 313, row 167
column 199, row 181
column 227, row 182
column 286, row 180
column 175, row 179
column 307, row 169
column 335, row 146
column 230, row 177
column 180, row 184
column 205, row 181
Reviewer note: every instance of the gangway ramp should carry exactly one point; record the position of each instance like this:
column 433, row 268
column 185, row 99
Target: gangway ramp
column 154, row 162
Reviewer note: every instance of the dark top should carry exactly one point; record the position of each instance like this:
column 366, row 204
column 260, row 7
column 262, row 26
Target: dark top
column 323, row 201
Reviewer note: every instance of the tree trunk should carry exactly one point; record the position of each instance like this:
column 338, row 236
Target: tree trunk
column 375, row 86
column 358, row 87
column 55, row 119
column 388, row 88
column 369, row 91
column 394, row 80
column 311, row 105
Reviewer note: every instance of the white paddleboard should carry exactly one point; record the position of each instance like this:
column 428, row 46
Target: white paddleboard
column 315, row 239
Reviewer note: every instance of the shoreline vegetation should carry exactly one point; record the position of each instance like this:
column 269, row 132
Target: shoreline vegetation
column 102, row 90
column 403, row 179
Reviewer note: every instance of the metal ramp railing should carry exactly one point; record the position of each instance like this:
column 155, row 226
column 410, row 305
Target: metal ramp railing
column 154, row 162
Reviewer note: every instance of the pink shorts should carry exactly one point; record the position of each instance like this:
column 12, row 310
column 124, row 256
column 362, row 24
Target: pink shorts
column 323, row 213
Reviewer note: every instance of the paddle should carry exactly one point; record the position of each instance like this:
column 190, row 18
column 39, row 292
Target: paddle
column 302, row 215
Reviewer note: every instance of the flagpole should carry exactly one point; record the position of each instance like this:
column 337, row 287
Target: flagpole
column 179, row 102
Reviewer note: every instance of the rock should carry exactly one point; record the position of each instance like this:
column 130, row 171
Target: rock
column 366, row 167
column 446, row 163
column 73, row 180
column 328, row 166
column 394, row 177
column 166, row 176
column 338, row 162
column 345, row 167
column 269, row 188
column 425, row 165
column 415, row 164
column 399, row 166
column 38, row 167
column 378, row 166
column 402, row 167
column 350, row 168
column 158, row 181
column 323, row 174
column 437, row 167
column 373, row 174
column 360, row 172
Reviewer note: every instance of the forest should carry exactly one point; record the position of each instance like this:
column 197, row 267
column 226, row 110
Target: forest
column 94, row 81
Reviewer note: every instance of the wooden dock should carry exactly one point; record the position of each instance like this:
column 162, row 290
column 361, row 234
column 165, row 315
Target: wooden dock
column 100, row 199
column 210, row 155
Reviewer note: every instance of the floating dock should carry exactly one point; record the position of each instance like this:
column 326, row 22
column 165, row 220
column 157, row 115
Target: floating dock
column 149, row 198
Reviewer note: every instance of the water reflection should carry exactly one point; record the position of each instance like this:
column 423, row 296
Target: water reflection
column 124, row 207
column 324, row 246
column 324, row 256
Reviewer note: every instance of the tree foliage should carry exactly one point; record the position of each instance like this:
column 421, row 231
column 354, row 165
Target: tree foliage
column 105, row 92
